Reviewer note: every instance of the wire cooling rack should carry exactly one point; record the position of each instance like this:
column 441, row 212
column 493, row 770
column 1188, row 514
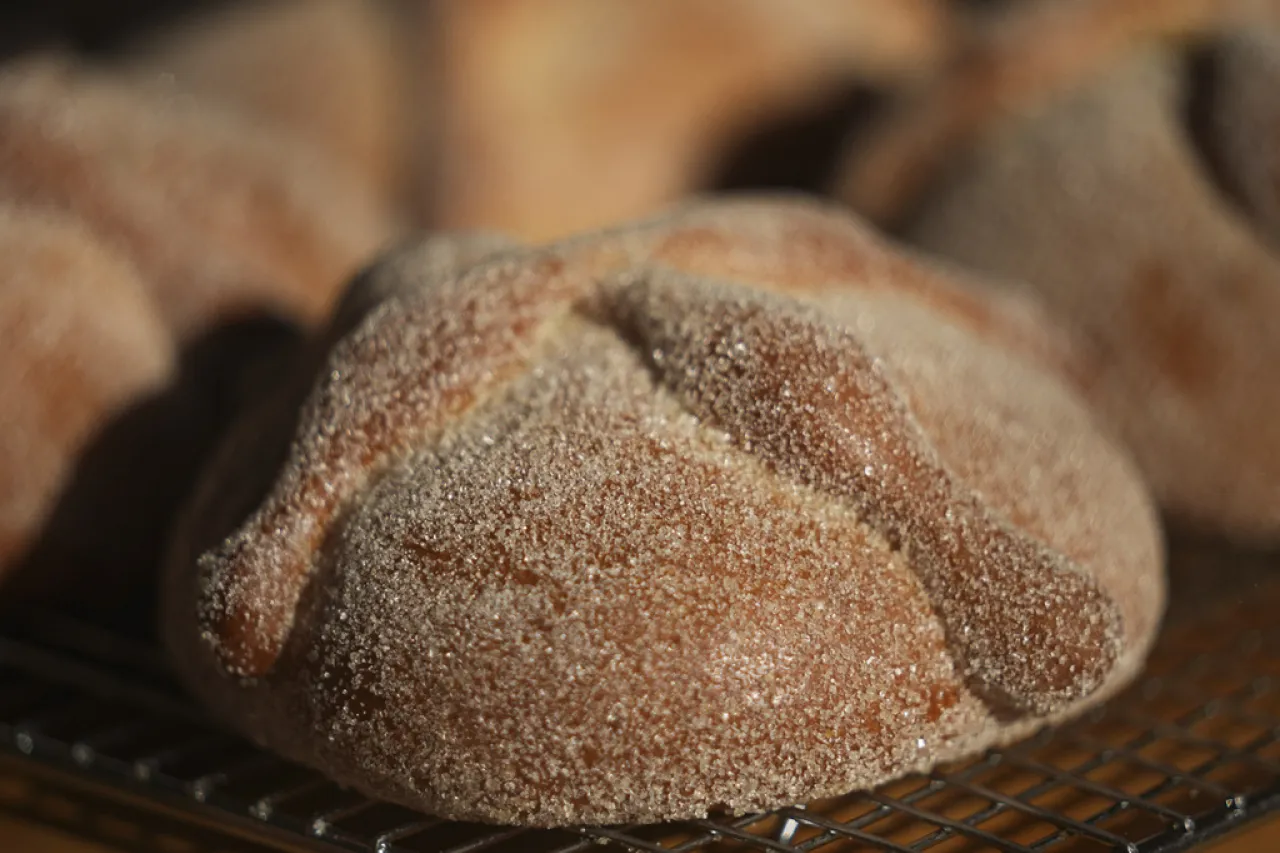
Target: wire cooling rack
column 95, row 737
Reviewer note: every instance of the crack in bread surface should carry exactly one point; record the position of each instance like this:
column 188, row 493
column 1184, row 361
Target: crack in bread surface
column 809, row 399
column 412, row 366
column 402, row 380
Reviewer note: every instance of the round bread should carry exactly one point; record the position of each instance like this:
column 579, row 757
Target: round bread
column 729, row 509
column 1101, row 204
column 223, row 220
column 79, row 342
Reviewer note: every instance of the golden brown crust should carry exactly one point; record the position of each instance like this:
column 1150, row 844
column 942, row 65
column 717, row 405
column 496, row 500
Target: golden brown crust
column 79, row 341
column 221, row 219
column 634, row 529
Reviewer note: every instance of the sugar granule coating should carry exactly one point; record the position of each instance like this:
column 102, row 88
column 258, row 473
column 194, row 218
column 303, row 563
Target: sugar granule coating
column 79, row 342
column 222, row 219
column 733, row 508
column 1101, row 205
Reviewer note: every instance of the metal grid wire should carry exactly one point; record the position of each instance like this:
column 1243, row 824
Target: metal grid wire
column 92, row 731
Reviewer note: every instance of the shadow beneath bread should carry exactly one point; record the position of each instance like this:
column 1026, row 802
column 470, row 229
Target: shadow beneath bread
column 1206, row 571
column 99, row 554
column 799, row 152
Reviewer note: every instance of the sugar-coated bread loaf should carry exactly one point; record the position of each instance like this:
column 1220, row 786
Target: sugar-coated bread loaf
column 728, row 509
column 1113, row 161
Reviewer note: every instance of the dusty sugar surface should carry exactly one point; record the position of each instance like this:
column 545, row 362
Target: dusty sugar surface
column 798, row 247
column 796, row 390
column 1036, row 459
column 407, row 372
column 221, row 218
column 585, row 589
column 421, row 265
column 583, row 606
column 1099, row 205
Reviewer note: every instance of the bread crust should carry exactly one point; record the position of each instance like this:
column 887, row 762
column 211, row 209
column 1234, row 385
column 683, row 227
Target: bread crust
column 731, row 508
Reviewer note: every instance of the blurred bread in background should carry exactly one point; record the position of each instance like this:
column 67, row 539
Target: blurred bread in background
column 1107, row 159
column 221, row 217
column 80, row 340
column 556, row 116
column 190, row 241
column 330, row 73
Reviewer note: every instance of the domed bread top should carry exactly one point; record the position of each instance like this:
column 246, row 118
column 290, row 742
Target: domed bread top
column 743, row 457
column 79, row 341
column 417, row 265
column 1101, row 206
column 220, row 218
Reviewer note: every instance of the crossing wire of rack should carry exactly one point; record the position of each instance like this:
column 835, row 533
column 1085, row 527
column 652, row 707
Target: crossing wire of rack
column 95, row 737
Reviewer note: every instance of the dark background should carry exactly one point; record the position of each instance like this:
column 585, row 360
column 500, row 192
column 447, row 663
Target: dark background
column 87, row 25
